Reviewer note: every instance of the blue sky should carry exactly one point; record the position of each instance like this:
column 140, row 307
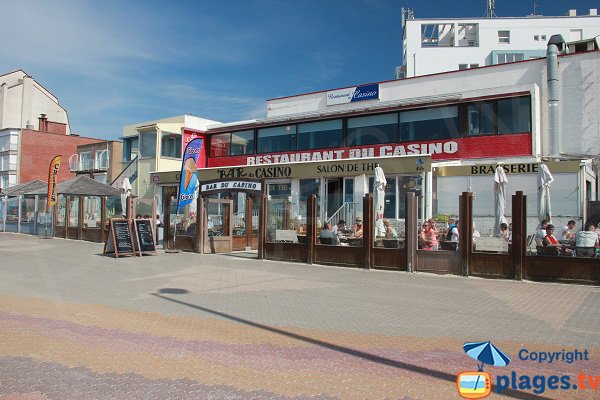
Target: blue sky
column 113, row 63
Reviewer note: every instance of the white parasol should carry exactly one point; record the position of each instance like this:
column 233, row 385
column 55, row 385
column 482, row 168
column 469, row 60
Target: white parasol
column 125, row 193
column 379, row 200
column 545, row 179
column 500, row 182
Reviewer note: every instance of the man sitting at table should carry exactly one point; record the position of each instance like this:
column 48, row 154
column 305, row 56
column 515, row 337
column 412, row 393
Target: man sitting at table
column 566, row 232
column 327, row 234
column 586, row 241
column 340, row 228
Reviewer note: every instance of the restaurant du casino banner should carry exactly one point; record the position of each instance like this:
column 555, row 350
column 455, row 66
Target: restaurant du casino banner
column 52, row 178
column 452, row 149
column 188, row 182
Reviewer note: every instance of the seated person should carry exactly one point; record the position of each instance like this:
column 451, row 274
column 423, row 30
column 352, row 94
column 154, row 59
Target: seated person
column 586, row 240
column 191, row 230
column 428, row 237
column 550, row 240
column 327, row 233
column 541, row 232
column 504, row 234
column 340, row 228
column 390, row 231
column 454, row 233
column 358, row 228
column 476, row 234
column 566, row 232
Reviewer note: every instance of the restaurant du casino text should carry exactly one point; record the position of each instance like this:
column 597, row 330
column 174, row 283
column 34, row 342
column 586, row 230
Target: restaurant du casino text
column 477, row 147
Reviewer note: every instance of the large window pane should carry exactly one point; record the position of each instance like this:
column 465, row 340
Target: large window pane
column 85, row 161
column 148, row 144
column 219, row 144
column 92, row 212
column 319, row 135
column 429, row 124
column 242, row 143
column 281, row 138
column 514, row 115
column 170, row 145
column 374, row 129
column 130, row 148
column 480, row 118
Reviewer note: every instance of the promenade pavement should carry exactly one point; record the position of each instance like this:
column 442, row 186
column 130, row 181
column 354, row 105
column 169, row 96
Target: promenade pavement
column 75, row 324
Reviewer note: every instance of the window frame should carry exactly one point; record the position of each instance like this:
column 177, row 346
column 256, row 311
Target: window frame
column 175, row 136
column 293, row 139
column 144, row 134
column 503, row 39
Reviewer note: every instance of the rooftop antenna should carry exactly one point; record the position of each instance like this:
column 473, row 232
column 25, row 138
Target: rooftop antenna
column 491, row 6
column 407, row 13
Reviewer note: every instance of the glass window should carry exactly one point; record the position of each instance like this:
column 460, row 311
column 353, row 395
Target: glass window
column 280, row 189
column 148, row 144
column 373, row 129
column 504, row 37
column 480, row 118
column 61, row 206
column 429, row 124
column 514, row 115
column 114, row 208
column 309, row 187
column 102, row 159
column 73, row 211
column 85, row 161
column 170, row 145
column 349, row 190
column 219, row 144
column 92, row 212
column 510, row 57
column 389, row 210
column 281, row 138
column 242, row 143
column 130, row 148
column 319, row 135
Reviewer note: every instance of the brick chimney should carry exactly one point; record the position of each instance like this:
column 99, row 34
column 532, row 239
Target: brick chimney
column 43, row 123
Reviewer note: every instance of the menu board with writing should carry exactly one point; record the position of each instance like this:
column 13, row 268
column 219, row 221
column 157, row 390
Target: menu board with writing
column 144, row 235
column 119, row 239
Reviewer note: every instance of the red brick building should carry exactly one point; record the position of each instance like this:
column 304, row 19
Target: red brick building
column 37, row 148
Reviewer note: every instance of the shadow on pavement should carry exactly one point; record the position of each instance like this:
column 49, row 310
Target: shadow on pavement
column 346, row 350
column 242, row 254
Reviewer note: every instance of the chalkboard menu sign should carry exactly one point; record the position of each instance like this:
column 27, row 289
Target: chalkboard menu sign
column 144, row 235
column 119, row 241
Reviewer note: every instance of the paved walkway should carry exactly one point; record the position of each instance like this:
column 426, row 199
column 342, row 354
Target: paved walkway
column 77, row 325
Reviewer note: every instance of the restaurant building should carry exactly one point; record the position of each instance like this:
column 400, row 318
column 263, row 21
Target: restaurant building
column 465, row 121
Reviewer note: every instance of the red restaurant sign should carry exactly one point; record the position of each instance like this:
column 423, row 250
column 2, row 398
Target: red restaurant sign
column 496, row 146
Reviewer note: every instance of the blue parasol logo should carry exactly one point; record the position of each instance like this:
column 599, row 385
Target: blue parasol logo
column 486, row 353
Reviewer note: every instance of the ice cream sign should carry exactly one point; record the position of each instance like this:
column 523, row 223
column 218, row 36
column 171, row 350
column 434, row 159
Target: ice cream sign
column 188, row 180
column 352, row 94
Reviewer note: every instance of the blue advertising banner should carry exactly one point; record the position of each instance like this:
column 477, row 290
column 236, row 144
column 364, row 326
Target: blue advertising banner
column 189, row 180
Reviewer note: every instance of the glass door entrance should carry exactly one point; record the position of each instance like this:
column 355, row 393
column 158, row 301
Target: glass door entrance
column 334, row 195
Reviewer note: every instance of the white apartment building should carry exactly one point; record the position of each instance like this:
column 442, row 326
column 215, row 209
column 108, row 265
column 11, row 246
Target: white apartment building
column 440, row 45
column 22, row 102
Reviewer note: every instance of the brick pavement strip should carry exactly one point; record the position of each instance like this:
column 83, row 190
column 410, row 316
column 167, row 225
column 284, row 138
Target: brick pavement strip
column 61, row 339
